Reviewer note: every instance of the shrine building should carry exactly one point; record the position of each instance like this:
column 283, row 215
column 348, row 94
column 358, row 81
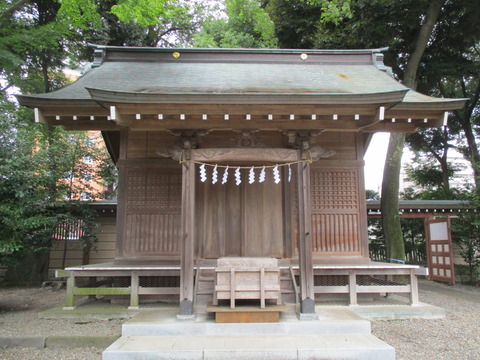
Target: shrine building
column 244, row 158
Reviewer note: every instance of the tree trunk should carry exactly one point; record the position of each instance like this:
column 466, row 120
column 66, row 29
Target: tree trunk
column 391, row 173
column 474, row 155
column 32, row 270
column 389, row 201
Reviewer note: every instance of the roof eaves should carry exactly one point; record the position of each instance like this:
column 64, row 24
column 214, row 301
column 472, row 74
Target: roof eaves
column 437, row 104
column 102, row 95
column 106, row 48
column 40, row 101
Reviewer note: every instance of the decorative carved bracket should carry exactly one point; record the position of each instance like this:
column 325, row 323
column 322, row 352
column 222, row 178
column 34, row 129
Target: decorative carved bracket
column 317, row 153
column 247, row 138
column 302, row 139
column 190, row 139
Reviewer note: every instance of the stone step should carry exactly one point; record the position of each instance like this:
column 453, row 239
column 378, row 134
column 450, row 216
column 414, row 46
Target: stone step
column 164, row 322
column 246, row 347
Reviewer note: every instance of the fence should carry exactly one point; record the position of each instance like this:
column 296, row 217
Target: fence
column 413, row 256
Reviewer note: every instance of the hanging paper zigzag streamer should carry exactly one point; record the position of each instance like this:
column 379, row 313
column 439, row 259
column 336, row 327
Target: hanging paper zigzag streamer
column 225, row 176
column 276, row 175
column 214, row 175
column 262, row 175
column 251, row 176
column 203, row 173
column 251, row 173
column 238, row 179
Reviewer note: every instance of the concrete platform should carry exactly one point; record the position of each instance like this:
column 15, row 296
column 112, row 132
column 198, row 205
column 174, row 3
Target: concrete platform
column 399, row 312
column 161, row 323
column 91, row 312
column 246, row 347
column 338, row 333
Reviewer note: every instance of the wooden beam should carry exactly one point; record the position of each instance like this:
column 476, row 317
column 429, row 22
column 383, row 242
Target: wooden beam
column 187, row 285
column 71, row 111
column 273, row 155
column 119, row 118
column 91, row 125
column 242, row 110
column 70, row 298
column 134, row 285
column 352, row 287
column 369, row 122
column 307, row 296
column 39, row 117
column 392, row 127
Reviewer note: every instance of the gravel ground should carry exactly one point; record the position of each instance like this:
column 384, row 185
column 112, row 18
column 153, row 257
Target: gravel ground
column 19, row 308
column 455, row 337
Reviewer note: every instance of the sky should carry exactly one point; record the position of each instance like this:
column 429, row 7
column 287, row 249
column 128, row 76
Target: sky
column 375, row 160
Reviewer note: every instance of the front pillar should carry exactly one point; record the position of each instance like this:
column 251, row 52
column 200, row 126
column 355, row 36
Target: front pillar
column 305, row 257
column 188, row 232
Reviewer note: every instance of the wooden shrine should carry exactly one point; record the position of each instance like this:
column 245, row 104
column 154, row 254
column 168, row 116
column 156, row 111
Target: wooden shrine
column 240, row 153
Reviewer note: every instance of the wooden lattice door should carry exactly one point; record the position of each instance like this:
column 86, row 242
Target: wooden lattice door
column 439, row 250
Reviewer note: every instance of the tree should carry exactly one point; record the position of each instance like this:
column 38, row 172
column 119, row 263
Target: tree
column 247, row 26
column 451, row 69
column 466, row 234
column 406, row 27
column 393, row 164
column 33, row 40
column 38, row 38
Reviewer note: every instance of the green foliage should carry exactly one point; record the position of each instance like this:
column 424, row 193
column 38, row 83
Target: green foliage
column 33, row 160
column 333, row 11
column 144, row 12
column 372, row 195
column 466, row 234
column 248, row 26
column 413, row 239
column 150, row 22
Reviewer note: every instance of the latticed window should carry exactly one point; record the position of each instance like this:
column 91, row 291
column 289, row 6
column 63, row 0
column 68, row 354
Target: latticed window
column 71, row 229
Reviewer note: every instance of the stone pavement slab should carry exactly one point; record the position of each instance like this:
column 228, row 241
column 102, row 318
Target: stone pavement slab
column 241, row 347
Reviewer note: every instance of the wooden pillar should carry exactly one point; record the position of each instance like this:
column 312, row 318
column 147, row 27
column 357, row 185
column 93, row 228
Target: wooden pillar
column 352, row 287
column 70, row 298
column 188, row 233
column 134, row 288
column 307, row 297
column 413, row 288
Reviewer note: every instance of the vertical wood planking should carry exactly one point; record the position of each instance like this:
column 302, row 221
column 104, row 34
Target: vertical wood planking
column 335, row 210
column 305, row 240
column 188, row 234
column 152, row 210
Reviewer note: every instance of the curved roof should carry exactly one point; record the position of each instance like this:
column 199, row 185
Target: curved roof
column 156, row 73
column 331, row 79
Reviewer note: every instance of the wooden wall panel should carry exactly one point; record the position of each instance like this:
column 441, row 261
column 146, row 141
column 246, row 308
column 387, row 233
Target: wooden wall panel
column 335, row 210
column 245, row 220
column 263, row 214
column 152, row 234
column 343, row 143
column 152, row 210
column 104, row 251
column 336, row 233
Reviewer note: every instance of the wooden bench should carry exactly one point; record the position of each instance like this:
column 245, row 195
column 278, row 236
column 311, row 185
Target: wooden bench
column 247, row 278
column 109, row 271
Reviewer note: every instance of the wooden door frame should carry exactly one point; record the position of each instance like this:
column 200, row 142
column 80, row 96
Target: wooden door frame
column 428, row 243
column 274, row 155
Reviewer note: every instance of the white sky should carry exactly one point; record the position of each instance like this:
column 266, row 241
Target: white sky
column 375, row 160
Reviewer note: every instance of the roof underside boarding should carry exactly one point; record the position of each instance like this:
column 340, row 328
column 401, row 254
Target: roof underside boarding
column 155, row 89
